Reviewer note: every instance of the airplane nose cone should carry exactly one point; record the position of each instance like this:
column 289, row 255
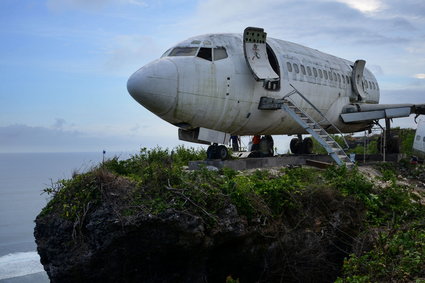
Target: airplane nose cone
column 155, row 86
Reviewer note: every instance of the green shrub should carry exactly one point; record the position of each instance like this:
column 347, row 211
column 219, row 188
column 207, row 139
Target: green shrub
column 72, row 198
column 398, row 256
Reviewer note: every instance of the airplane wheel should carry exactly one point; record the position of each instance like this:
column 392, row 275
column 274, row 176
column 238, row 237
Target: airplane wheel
column 222, row 152
column 307, row 146
column 270, row 145
column 211, row 152
column 295, row 146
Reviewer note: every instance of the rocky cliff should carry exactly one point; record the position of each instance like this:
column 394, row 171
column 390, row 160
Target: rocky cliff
column 174, row 226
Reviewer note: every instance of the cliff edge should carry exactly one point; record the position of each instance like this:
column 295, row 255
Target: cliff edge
column 146, row 219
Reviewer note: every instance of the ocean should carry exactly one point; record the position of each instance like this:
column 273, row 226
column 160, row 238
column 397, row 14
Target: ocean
column 23, row 176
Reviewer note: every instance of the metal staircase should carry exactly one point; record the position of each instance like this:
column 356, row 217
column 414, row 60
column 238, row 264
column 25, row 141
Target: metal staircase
column 309, row 124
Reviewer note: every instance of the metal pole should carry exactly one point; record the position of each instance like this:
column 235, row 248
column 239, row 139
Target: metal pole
column 364, row 147
column 385, row 143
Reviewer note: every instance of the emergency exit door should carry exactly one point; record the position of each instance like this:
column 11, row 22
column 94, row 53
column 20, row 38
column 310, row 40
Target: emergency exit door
column 255, row 49
column 357, row 79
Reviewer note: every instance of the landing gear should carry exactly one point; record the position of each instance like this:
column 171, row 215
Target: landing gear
column 264, row 149
column 308, row 145
column 222, row 152
column 301, row 146
column 216, row 151
column 296, row 146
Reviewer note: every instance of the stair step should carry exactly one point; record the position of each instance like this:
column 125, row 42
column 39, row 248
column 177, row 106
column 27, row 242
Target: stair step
column 333, row 147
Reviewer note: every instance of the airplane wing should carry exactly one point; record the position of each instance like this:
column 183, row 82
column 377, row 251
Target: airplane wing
column 354, row 113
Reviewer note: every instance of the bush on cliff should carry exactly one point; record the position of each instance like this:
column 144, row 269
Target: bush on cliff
column 392, row 246
column 309, row 220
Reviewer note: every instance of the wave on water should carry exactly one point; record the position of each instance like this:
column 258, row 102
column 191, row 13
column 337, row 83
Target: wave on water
column 19, row 264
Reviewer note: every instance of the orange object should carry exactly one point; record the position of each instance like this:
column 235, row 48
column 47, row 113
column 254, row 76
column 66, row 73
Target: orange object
column 256, row 139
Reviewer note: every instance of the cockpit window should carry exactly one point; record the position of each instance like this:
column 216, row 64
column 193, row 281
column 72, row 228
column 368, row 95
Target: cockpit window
column 219, row 53
column 205, row 53
column 183, row 51
column 166, row 53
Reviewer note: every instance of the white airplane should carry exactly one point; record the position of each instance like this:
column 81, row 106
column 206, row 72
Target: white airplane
column 217, row 85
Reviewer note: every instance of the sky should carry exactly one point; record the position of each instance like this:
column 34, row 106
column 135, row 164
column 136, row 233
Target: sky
column 64, row 64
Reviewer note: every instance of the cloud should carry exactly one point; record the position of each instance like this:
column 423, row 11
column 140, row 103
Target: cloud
column 24, row 138
column 126, row 53
column 59, row 124
column 376, row 69
column 137, row 3
column 62, row 5
column 420, row 76
column 413, row 9
column 364, row 6
column 309, row 20
column 415, row 96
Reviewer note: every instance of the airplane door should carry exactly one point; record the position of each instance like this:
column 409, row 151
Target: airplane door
column 255, row 50
column 357, row 79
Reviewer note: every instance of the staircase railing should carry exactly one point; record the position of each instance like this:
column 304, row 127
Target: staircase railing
column 296, row 91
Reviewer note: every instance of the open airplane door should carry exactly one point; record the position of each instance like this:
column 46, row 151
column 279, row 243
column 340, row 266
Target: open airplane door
column 357, row 79
column 255, row 49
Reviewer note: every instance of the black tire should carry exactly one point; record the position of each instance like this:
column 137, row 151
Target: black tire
column 211, row 152
column 270, row 145
column 222, row 152
column 295, row 146
column 307, row 146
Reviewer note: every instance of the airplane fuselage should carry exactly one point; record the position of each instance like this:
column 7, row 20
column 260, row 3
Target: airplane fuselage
column 205, row 81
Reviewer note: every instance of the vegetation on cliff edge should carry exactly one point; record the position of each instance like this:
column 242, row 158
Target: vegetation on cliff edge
column 390, row 246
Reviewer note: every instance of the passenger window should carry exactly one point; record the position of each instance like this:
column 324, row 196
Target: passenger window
column 370, row 85
column 348, row 79
column 339, row 78
column 303, row 69
column 343, row 79
column 205, row 53
column 183, row 51
column 289, row 66
column 308, row 70
column 220, row 53
column 330, row 76
column 418, row 138
column 373, row 85
column 334, row 76
column 315, row 72
column 326, row 74
column 296, row 68
column 320, row 73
